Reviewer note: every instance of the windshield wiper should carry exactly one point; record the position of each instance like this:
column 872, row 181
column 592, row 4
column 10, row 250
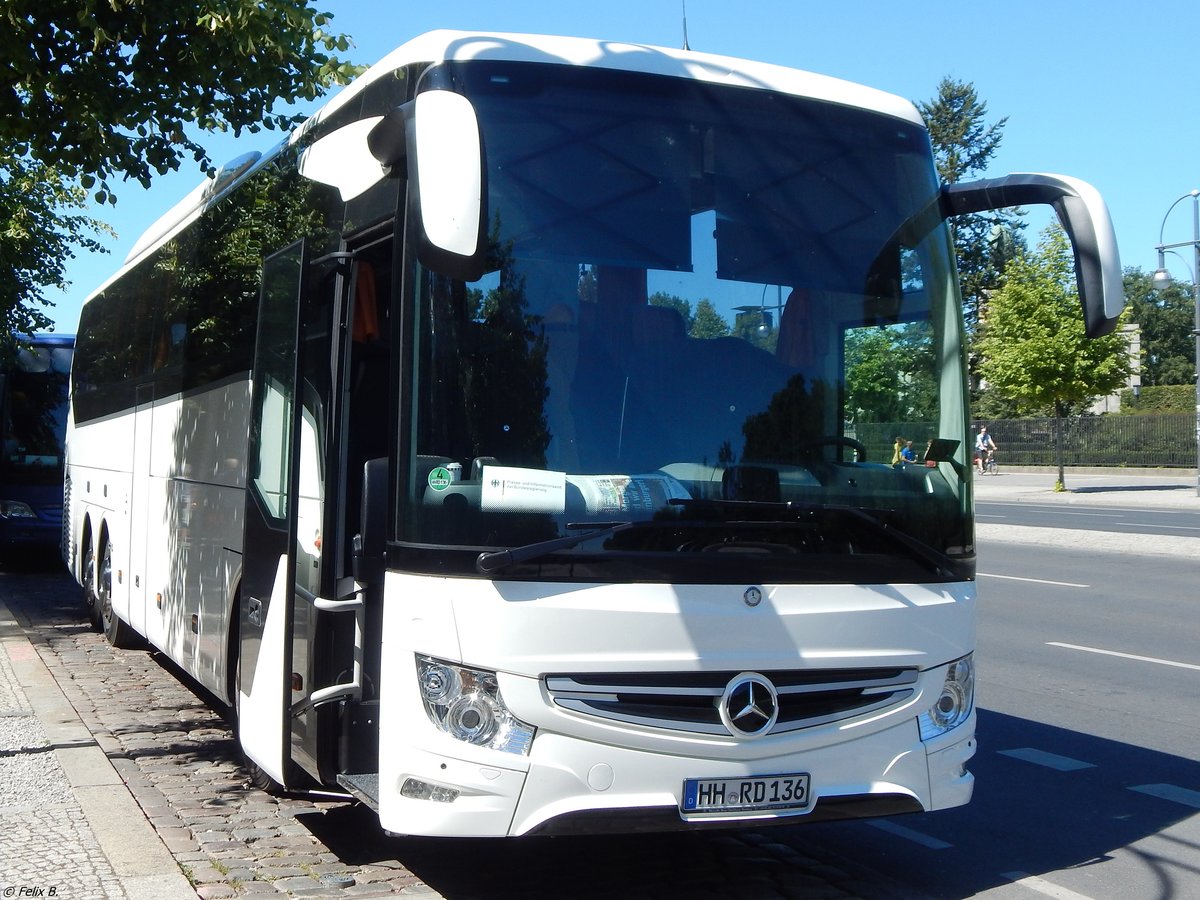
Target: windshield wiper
column 492, row 561
column 943, row 565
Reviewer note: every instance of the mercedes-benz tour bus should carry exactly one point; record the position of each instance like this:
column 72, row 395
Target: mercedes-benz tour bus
column 493, row 445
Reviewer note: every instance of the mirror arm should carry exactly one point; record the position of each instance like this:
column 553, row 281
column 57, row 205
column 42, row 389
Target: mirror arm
column 388, row 140
column 1083, row 216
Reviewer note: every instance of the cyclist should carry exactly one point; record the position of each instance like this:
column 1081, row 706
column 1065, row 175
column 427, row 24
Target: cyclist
column 984, row 448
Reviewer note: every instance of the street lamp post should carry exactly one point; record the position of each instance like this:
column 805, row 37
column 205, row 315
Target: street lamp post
column 1162, row 278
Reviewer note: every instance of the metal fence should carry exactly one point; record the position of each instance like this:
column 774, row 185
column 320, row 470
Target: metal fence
column 1150, row 441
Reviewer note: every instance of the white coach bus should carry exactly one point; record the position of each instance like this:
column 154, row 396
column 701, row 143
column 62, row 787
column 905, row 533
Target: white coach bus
column 493, row 446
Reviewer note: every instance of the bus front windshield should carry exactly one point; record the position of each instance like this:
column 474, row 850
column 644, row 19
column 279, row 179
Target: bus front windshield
column 711, row 314
column 33, row 415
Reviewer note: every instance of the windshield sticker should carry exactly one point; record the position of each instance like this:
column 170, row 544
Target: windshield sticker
column 439, row 478
column 511, row 489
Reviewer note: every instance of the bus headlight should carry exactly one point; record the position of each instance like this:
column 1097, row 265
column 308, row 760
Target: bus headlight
column 16, row 509
column 466, row 704
column 955, row 701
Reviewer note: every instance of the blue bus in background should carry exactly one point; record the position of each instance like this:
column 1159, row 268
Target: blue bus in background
column 33, row 420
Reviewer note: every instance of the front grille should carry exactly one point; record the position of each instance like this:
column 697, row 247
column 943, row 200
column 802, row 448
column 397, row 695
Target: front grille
column 689, row 701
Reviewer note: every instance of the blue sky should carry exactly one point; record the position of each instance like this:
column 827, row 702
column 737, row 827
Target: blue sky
column 1105, row 92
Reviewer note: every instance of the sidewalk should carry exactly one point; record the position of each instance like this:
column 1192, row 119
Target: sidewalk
column 1146, row 488
column 68, row 825
column 1094, row 488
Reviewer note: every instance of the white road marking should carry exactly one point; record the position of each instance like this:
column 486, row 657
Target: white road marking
column 1133, row 656
column 1153, row 525
column 1042, row 886
column 910, row 835
column 1049, row 760
column 1034, row 580
column 1170, row 792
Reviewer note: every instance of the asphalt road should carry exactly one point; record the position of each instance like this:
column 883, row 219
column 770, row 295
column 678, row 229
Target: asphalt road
column 1088, row 774
column 1114, row 519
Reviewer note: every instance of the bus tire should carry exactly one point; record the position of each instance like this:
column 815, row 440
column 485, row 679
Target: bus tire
column 119, row 634
column 87, row 579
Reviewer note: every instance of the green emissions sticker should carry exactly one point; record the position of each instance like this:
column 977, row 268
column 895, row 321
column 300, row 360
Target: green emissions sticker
column 439, row 478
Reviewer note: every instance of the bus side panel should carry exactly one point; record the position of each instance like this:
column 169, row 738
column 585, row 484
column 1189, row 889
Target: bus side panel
column 140, row 524
column 100, row 493
column 195, row 520
column 158, row 562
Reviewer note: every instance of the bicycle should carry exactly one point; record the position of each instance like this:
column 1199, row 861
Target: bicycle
column 989, row 464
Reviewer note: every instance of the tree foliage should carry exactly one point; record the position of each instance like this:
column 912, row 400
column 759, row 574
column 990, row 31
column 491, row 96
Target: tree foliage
column 96, row 90
column 702, row 323
column 891, row 374
column 41, row 227
column 100, row 88
column 708, row 323
column 1033, row 346
column 964, row 143
column 1166, row 319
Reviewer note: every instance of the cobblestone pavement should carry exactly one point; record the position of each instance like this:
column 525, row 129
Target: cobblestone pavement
column 179, row 761
column 39, row 810
column 178, row 758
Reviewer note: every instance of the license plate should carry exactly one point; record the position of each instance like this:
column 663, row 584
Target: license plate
column 702, row 795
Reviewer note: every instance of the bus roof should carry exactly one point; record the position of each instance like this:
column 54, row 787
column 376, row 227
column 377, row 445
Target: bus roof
column 437, row 46
column 46, row 339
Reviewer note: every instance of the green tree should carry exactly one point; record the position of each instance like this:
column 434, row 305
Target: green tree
column 681, row 306
column 42, row 228
column 1034, row 351
column 93, row 90
column 707, row 322
column 890, row 373
column 872, row 382
column 702, row 323
column 964, row 143
column 1166, row 319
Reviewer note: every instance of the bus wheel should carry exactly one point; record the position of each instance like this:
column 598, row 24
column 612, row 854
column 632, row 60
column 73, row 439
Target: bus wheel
column 91, row 602
column 119, row 634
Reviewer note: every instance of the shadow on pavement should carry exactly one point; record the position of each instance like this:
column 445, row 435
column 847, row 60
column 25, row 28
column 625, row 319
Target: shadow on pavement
column 1132, row 488
column 671, row 866
column 1025, row 818
column 1028, row 818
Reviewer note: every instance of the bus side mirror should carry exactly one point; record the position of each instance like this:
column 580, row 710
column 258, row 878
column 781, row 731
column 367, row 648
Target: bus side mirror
column 437, row 134
column 342, row 159
column 1083, row 216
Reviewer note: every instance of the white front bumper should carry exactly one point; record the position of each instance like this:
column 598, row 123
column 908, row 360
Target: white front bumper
column 569, row 776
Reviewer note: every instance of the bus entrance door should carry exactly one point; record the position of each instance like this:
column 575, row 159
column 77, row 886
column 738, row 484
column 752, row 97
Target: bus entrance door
column 271, row 525
column 296, row 646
